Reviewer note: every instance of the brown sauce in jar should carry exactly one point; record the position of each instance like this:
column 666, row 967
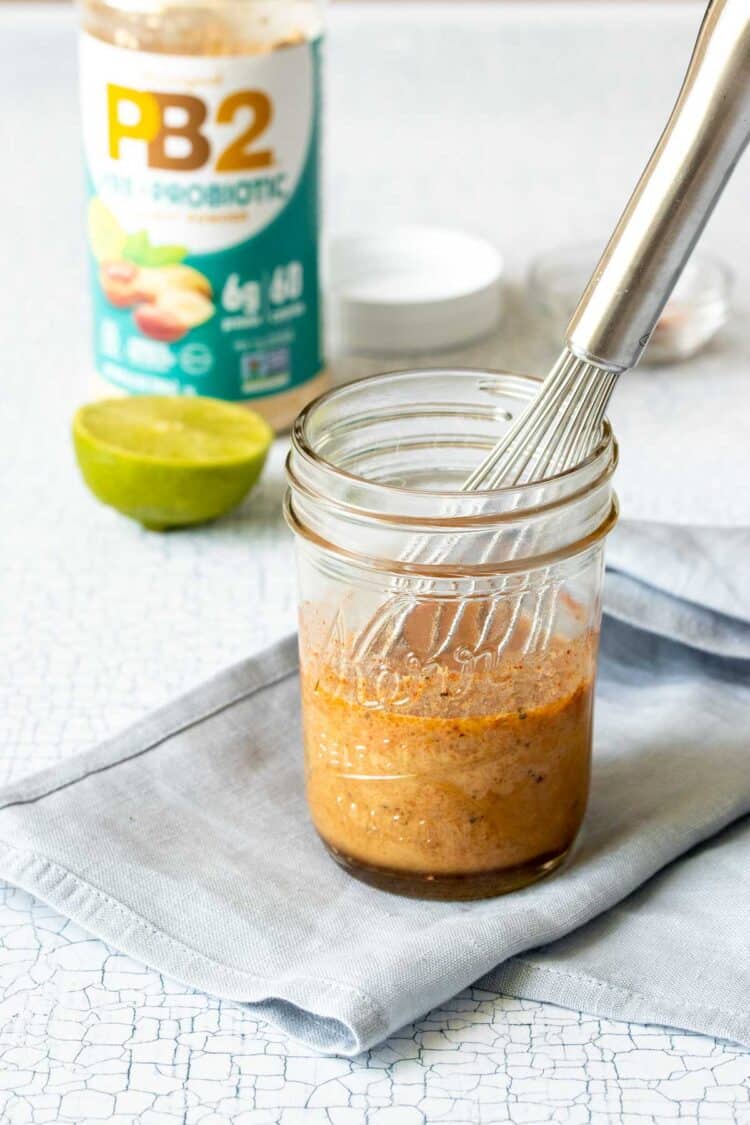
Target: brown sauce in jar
column 451, row 777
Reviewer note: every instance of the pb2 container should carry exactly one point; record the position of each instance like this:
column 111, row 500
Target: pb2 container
column 201, row 129
column 448, row 639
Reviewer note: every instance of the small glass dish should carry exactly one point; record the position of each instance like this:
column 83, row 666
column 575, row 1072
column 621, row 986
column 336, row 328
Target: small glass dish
column 697, row 309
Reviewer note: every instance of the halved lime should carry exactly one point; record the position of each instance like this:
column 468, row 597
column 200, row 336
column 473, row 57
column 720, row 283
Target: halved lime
column 170, row 461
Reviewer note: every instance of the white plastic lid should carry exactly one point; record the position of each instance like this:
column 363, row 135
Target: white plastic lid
column 412, row 289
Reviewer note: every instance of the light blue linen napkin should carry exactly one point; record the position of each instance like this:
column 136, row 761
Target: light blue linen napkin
column 688, row 583
column 185, row 842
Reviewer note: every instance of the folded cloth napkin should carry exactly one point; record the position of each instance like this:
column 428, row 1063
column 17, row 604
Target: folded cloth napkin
column 185, row 842
column 702, row 566
column 688, row 583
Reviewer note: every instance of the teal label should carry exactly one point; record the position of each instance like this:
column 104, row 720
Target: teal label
column 203, row 216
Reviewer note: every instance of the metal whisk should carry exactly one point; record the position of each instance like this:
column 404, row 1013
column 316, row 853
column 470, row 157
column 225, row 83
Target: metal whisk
column 706, row 134
column 554, row 433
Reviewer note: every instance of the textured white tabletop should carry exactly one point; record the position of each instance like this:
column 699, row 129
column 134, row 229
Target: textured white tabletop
column 524, row 123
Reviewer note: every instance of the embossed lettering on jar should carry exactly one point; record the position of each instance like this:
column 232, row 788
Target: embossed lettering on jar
column 448, row 640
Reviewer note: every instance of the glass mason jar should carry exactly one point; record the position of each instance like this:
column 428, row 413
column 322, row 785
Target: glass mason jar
column 201, row 130
column 448, row 640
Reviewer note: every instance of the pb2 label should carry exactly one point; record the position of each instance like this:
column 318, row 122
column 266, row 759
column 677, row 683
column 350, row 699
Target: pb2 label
column 203, row 214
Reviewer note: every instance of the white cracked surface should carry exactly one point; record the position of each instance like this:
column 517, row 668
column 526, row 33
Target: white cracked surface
column 102, row 621
column 88, row 1035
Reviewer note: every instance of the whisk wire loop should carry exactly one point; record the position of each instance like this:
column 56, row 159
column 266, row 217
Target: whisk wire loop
column 554, row 433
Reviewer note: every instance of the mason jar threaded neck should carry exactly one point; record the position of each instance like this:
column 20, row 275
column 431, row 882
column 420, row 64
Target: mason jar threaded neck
column 380, row 460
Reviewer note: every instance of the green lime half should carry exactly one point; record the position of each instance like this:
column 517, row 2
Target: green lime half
column 170, row 462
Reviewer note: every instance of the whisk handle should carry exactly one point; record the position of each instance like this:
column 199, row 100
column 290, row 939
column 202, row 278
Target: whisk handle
column 704, row 138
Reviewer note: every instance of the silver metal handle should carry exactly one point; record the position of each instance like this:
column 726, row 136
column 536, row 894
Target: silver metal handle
column 704, row 138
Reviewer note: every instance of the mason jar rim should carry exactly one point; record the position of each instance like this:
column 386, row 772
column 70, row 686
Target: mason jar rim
column 521, row 501
column 356, row 519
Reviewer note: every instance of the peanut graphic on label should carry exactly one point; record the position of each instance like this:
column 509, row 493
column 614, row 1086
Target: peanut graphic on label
column 168, row 297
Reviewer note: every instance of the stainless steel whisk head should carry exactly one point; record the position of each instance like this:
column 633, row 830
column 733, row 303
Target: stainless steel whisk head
column 556, row 431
